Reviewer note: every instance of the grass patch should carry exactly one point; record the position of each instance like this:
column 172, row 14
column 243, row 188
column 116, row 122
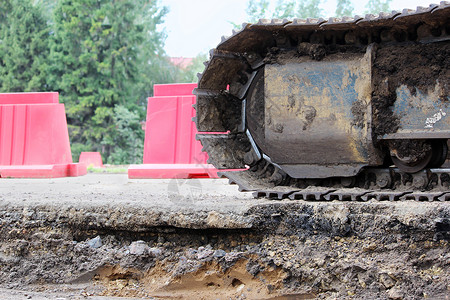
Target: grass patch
column 108, row 169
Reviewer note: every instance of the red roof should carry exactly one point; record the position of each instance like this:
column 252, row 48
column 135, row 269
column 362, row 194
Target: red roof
column 181, row 62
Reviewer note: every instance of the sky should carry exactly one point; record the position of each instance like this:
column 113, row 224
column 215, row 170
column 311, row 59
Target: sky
column 196, row 26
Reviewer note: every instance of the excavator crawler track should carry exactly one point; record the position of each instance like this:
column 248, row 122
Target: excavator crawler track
column 230, row 124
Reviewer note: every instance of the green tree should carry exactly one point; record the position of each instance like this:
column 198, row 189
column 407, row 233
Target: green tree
column 48, row 7
column 309, row 9
column 377, row 6
column 5, row 8
column 105, row 54
column 285, row 9
column 259, row 9
column 344, row 8
column 128, row 138
column 24, row 47
column 188, row 74
column 197, row 66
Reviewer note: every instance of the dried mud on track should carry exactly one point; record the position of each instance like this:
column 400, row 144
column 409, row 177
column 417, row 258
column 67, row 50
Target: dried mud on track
column 106, row 236
column 418, row 67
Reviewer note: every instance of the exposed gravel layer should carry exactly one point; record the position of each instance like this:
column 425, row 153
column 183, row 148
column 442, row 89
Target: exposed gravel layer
column 105, row 235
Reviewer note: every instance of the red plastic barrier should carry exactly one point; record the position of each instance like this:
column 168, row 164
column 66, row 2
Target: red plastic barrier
column 172, row 171
column 43, row 171
column 170, row 147
column 170, row 132
column 29, row 98
column 180, row 89
column 34, row 140
column 91, row 158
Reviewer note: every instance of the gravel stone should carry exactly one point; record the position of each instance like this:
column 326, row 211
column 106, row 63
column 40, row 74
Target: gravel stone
column 139, row 248
column 219, row 253
column 155, row 252
column 95, row 242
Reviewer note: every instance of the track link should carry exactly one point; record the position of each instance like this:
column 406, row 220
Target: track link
column 428, row 185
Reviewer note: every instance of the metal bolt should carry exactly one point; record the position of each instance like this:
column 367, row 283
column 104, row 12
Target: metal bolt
column 249, row 158
column 347, row 182
column 383, row 181
column 419, row 182
column 276, row 178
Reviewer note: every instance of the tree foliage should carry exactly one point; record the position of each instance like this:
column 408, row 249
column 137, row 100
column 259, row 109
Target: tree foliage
column 129, row 140
column 24, row 47
column 105, row 54
column 257, row 10
column 377, row 6
column 260, row 9
column 344, row 8
column 309, row 9
column 289, row 9
column 102, row 56
column 189, row 73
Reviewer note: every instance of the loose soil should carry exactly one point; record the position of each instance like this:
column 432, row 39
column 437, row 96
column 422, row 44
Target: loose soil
column 105, row 236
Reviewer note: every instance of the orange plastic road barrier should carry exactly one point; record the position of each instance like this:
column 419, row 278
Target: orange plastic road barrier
column 91, row 158
column 170, row 147
column 34, row 141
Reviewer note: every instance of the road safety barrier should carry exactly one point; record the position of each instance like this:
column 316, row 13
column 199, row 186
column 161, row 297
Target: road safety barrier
column 170, row 147
column 34, row 141
column 91, row 159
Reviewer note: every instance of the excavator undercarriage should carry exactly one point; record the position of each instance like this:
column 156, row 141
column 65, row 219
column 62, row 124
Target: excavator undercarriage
column 345, row 109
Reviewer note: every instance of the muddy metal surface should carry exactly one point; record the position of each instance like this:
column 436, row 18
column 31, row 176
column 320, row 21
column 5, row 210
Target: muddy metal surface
column 104, row 236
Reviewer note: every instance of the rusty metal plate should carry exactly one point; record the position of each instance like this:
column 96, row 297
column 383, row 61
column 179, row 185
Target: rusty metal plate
column 321, row 109
column 422, row 114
